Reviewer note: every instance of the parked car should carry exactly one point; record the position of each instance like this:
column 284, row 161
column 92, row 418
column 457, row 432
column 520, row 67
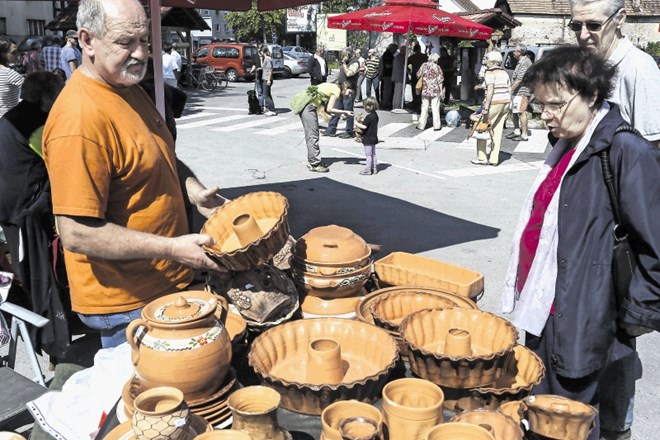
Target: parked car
column 509, row 61
column 293, row 66
column 296, row 51
column 277, row 55
column 236, row 59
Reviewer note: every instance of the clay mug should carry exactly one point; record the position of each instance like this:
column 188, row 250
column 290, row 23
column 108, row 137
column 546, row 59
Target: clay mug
column 225, row 434
column 411, row 407
column 161, row 414
column 358, row 428
column 254, row 411
column 336, row 413
column 459, row 431
column 324, row 364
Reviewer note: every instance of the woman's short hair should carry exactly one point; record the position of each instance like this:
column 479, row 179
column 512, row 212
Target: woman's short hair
column 41, row 85
column 494, row 57
column 434, row 58
column 264, row 49
column 576, row 68
column 370, row 104
column 91, row 16
column 5, row 47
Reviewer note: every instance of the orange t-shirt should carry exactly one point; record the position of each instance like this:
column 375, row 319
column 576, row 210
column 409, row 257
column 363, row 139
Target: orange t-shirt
column 110, row 156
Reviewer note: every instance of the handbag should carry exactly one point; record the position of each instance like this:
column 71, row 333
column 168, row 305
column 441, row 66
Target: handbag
column 481, row 129
column 419, row 85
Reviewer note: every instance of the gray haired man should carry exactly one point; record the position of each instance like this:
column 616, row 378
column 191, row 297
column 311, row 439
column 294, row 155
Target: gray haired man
column 520, row 94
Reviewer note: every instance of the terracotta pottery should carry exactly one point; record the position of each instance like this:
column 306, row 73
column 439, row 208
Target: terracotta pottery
column 523, row 372
column 388, row 310
column 504, row 427
column 175, row 332
column 363, row 308
column 315, row 307
column 339, row 411
column 226, row 434
column 512, row 409
column 411, row 407
column 558, row 417
column 236, row 327
column 124, row 431
column 404, row 269
column 492, row 340
column 459, row 431
column 160, row 414
column 249, row 230
column 254, row 411
column 331, row 246
column 458, row 343
column 358, row 428
column 324, row 364
column 280, row 355
column 331, row 286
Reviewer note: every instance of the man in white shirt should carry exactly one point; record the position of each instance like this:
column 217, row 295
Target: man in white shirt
column 177, row 62
column 169, row 65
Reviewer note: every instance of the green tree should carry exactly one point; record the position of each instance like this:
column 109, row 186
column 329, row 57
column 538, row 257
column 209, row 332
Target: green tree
column 653, row 48
column 254, row 25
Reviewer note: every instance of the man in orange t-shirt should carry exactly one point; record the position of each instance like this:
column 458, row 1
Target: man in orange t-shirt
column 115, row 178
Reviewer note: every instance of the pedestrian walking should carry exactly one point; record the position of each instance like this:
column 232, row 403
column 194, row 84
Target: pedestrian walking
column 70, row 56
column 431, row 93
column 447, row 63
column 10, row 80
column 371, row 74
column 369, row 127
column 267, row 80
column 348, row 73
column 520, row 94
column 51, row 52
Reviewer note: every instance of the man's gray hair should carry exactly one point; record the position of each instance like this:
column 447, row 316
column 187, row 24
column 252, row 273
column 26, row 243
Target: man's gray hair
column 521, row 48
column 91, row 16
column 347, row 51
column 611, row 6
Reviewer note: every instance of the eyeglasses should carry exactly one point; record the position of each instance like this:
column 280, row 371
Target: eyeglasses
column 555, row 109
column 592, row 26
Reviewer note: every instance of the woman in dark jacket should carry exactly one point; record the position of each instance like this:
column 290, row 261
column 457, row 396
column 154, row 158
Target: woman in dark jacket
column 559, row 286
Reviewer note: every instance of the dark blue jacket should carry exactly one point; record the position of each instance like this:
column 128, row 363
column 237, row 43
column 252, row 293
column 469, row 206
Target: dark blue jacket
column 585, row 307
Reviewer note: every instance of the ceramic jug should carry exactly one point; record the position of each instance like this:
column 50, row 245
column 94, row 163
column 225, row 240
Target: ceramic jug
column 254, row 411
column 180, row 342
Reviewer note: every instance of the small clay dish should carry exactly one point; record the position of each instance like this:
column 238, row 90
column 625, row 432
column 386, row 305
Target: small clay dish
column 334, row 414
column 315, row 307
column 124, row 431
column 221, row 394
column 458, row 431
column 266, row 212
column 490, row 341
column 559, row 417
column 504, row 427
column 280, row 357
column 363, row 308
column 389, row 310
column 332, row 246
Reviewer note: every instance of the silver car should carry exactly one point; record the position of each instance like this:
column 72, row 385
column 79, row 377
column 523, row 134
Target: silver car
column 293, row 66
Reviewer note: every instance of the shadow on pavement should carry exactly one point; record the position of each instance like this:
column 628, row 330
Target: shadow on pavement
column 396, row 224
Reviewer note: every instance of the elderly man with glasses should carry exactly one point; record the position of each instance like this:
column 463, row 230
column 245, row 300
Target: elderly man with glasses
column 597, row 25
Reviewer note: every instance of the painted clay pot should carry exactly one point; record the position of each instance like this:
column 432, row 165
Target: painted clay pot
column 161, row 414
column 358, row 428
column 249, row 230
column 330, row 247
column 459, row 431
column 336, row 413
column 504, row 427
column 338, row 286
column 176, row 332
column 254, row 411
column 225, row 434
column 411, row 407
column 558, row 417
column 492, row 341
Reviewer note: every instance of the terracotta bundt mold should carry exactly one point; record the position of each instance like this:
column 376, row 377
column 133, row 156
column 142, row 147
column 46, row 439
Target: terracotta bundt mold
column 558, row 417
column 390, row 309
column 504, row 427
column 268, row 210
column 279, row 356
column 363, row 308
column 492, row 341
column 523, row 372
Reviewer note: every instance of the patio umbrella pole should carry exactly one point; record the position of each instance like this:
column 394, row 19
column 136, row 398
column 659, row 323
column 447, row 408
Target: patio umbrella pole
column 156, row 45
column 405, row 72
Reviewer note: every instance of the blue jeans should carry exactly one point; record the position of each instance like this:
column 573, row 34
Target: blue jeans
column 260, row 92
column 375, row 83
column 112, row 326
column 345, row 103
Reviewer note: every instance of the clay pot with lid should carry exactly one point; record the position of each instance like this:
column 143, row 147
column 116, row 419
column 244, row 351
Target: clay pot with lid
column 558, row 417
column 329, row 247
column 179, row 342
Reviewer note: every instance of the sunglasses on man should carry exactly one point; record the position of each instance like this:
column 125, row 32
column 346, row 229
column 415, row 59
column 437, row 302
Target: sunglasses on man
column 592, row 26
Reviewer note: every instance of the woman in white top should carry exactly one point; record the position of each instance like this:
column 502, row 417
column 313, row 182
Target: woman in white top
column 10, row 80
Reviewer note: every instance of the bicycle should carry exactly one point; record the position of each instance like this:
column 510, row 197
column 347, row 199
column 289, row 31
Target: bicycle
column 201, row 75
column 221, row 77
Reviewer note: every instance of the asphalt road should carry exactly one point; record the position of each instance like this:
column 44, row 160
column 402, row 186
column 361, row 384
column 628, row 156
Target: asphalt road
column 427, row 198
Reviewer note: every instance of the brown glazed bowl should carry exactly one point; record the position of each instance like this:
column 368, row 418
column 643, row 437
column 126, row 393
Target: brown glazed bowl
column 558, row 417
column 269, row 211
column 504, row 427
column 280, row 356
column 388, row 310
column 492, row 341
column 363, row 308
column 330, row 250
column 523, row 372
column 338, row 286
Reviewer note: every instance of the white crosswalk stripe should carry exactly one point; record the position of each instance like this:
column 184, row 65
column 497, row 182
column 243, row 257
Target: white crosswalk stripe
column 537, row 143
column 280, row 129
column 209, row 122
column 263, row 120
column 195, row 116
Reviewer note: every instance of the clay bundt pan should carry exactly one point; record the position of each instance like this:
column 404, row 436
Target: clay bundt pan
column 389, row 310
column 363, row 309
column 492, row 341
column 279, row 357
column 268, row 210
column 523, row 372
column 558, row 417
column 504, row 427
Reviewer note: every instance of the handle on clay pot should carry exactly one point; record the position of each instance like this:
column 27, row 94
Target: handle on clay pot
column 330, row 244
column 319, row 284
column 131, row 331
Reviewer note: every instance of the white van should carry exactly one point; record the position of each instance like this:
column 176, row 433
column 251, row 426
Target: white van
column 277, row 55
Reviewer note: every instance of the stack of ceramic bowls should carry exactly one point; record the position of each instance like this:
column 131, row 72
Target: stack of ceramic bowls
column 331, row 263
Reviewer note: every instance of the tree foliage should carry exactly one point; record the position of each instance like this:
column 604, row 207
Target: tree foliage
column 256, row 26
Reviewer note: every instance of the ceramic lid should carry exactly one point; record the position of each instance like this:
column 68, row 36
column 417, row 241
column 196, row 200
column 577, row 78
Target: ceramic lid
column 181, row 307
column 331, row 244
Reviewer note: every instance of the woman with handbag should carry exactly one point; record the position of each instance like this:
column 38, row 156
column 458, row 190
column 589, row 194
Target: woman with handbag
column 430, row 74
column 494, row 109
column 560, row 285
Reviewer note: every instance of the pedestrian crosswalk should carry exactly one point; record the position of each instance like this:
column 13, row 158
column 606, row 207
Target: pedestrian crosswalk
column 393, row 135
